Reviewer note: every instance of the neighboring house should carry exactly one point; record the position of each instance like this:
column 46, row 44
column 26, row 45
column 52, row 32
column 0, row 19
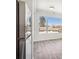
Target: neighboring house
column 56, row 28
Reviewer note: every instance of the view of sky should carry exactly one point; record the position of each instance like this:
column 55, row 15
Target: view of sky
column 54, row 20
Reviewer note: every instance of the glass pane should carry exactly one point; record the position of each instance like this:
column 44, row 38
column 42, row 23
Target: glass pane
column 28, row 20
column 28, row 26
column 54, row 24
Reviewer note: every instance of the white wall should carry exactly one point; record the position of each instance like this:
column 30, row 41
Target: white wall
column 49, row 36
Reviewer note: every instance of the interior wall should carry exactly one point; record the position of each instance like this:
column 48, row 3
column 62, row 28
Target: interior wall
column 22, row 43
column 22, row 19
column 46, row 13
column 48, row 36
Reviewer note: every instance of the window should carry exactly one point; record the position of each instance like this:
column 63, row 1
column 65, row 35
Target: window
column 50, row 24
column 54, row 24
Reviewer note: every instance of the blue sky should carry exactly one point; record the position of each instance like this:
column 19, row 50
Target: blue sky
column 53, row 20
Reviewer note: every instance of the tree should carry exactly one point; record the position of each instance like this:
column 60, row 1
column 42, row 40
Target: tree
column 42, row 21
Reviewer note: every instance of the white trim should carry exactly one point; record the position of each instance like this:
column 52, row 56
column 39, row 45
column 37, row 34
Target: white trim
column 33, row 25
column 21, row 0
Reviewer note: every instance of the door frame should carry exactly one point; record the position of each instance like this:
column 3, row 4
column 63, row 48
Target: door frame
column 17, row 29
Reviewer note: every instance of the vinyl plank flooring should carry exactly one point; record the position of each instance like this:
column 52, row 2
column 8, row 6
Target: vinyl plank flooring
column 51, row 49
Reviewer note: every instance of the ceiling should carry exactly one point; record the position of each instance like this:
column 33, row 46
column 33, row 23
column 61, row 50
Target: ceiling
column 47, row 7
column 47, row 4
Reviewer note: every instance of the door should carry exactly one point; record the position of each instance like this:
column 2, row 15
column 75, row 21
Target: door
column 40, row 22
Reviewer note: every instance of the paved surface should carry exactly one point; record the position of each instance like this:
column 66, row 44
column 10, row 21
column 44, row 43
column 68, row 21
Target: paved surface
column 48, row 49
